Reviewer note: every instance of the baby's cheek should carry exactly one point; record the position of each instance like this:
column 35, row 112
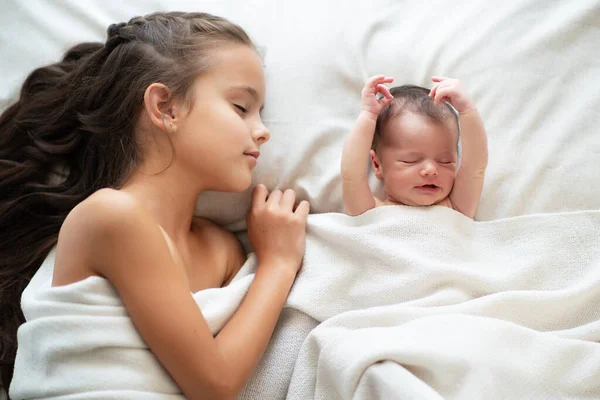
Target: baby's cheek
column 449, row 177
column 399, row 179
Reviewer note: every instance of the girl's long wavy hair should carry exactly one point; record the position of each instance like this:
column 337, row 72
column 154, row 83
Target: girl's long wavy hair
column 70, row 133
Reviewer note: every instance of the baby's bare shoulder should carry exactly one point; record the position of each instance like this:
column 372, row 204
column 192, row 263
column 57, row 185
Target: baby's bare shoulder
column 379, row 203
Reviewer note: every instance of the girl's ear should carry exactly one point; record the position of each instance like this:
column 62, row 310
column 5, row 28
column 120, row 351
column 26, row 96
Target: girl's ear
column 377, row 169
column 157, row 100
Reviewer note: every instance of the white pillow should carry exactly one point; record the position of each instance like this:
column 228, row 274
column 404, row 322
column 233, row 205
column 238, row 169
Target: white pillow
column 531, row 66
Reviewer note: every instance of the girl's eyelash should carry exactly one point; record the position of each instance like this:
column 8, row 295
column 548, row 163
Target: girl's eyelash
column 242, row 109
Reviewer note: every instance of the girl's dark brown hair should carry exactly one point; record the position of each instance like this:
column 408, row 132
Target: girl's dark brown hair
column 70, row 133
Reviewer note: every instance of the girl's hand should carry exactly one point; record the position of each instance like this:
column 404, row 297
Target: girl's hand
column 276, row 231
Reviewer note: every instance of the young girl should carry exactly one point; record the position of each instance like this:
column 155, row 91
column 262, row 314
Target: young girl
column 103, row 157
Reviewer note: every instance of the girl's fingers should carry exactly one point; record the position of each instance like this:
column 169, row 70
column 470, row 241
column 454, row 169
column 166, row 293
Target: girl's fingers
column 259, row 195
column 303, row 209
column 274, row 198
column 288, row 200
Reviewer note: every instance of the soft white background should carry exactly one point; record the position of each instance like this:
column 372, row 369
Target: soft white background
column 531, row 65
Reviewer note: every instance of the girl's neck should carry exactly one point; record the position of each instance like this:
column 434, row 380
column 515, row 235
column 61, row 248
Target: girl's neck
column 168, row 196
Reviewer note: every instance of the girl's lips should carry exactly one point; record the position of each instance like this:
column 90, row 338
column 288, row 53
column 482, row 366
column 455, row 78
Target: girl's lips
column 254, row 154
column 252, row 159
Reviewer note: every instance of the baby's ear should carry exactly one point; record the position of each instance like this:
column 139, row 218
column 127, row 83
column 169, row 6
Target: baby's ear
column 376, row 165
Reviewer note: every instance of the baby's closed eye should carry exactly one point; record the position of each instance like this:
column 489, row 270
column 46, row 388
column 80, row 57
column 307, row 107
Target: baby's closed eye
column 409, row 160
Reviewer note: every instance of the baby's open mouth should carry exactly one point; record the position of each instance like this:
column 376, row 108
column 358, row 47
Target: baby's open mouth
column 429, row 188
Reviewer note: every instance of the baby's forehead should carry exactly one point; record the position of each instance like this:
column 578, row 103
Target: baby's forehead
column 420, row 145
column 420, row 130
column 430, row 148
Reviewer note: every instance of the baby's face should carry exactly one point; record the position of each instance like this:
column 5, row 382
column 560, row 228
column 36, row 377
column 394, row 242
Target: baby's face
column 417, row 160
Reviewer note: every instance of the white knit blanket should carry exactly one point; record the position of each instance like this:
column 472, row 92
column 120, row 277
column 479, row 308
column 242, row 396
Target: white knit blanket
column 412, row 303
column 427, row 304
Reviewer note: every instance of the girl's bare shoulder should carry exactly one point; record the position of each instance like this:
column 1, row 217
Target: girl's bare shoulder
column 106, row 229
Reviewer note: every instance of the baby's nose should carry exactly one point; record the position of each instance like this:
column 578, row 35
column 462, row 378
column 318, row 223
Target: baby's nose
column 429, row 169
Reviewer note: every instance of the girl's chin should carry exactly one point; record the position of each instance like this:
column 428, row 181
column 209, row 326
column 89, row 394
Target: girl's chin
column 236, row 186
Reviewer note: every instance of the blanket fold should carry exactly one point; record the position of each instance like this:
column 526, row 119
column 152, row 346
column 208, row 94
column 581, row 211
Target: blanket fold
column 79, row 342
column 400, row 302
column 426, row 303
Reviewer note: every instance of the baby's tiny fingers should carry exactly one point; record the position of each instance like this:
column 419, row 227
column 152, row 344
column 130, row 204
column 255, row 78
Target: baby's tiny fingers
column 385, row 91
column 374, row 80
column 377, row 79
column 443, row 94
column 433, row 90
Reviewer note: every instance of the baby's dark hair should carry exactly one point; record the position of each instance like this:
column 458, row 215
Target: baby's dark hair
column 414, row 99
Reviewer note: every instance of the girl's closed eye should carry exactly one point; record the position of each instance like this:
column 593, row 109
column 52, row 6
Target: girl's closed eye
column 240, row 108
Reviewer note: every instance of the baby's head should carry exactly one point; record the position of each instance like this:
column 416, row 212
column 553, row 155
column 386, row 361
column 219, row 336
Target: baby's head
column 415, row 147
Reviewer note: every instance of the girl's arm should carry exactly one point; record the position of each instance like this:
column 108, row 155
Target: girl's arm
column 126, row 246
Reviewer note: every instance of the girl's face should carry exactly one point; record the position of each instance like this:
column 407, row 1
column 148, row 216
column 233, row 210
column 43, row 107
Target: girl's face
column 219, row 138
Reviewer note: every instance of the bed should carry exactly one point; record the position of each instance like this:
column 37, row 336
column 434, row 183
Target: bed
column 408, row 303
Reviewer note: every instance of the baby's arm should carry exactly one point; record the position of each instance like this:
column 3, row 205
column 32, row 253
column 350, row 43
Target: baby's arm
column 357, row 193
column 469, row 181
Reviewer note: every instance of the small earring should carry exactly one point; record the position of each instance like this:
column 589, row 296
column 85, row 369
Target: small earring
column 171, row 126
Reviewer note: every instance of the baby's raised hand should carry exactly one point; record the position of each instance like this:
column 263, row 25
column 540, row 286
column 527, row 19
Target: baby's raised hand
column 451, row 90
column 370, row 103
